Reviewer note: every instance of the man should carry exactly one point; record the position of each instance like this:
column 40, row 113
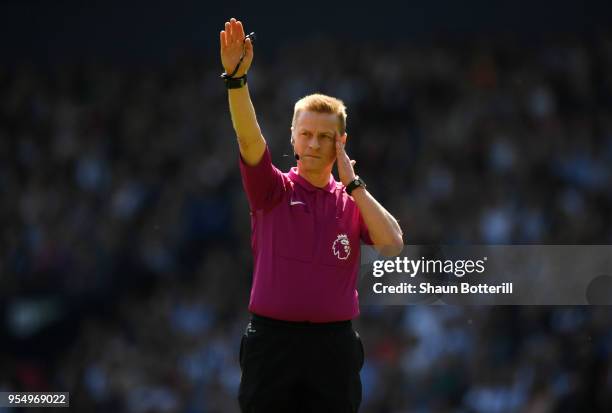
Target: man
column 300, row 352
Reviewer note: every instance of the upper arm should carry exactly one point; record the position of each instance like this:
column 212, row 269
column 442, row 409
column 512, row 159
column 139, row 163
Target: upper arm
column 253, row 151
column 263, row 182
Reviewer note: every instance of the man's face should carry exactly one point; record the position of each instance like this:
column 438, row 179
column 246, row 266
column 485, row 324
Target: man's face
column 314, row 135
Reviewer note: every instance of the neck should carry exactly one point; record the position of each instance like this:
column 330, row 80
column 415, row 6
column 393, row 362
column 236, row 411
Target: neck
column 320, row 179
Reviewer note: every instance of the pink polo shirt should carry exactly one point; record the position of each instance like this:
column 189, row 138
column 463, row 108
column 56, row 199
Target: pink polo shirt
column 306, row 245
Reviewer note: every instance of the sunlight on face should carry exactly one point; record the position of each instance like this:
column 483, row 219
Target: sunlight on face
column 315, row 139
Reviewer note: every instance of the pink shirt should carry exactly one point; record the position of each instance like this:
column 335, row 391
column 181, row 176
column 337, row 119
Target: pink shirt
column 306, row 245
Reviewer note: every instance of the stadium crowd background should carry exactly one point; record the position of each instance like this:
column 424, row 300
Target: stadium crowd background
column 125, row 231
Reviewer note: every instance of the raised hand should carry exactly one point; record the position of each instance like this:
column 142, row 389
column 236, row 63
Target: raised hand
column 233, row 45
column 344, row 163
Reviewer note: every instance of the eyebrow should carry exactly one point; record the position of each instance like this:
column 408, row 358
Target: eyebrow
column 327, row 132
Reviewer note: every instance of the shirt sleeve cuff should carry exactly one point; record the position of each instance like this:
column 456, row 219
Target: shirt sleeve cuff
column 265, row 161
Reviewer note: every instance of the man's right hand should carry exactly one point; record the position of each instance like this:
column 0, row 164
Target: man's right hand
column 251, row 141
column 233, row 44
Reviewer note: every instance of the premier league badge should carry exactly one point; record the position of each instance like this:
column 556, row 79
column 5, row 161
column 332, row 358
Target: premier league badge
column 341, row 247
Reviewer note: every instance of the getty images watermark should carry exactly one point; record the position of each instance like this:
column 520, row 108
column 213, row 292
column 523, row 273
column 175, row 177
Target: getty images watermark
column 488, row 275
column 411, row 268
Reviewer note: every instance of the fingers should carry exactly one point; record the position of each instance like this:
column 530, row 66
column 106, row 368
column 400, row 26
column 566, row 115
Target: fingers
column 241, row 34
column 234, row 32
column 340, row 142
column 340, row 150
column 339, row 147
column 228, row 33
column 223, row 39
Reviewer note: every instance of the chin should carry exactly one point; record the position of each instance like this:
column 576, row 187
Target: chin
column 310, row 161
column 312, row 164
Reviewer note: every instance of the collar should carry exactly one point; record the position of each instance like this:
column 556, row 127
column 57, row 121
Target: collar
column 295, row 177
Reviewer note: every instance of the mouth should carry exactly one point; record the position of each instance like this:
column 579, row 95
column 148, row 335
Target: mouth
column 312, row 156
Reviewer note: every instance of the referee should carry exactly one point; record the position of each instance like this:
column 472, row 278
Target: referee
column 299, row 352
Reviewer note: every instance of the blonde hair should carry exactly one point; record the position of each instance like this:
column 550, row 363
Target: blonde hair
column 320, row 103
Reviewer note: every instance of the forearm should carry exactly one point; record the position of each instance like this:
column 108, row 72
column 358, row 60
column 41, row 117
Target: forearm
column 383, row 228
column 250, row 139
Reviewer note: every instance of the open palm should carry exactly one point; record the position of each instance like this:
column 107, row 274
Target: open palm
column 233, row 45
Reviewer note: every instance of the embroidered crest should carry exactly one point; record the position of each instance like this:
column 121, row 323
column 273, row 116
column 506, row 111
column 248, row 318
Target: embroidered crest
column 341, row 247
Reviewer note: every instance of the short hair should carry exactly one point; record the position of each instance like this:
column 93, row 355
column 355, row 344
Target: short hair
column 320, row 103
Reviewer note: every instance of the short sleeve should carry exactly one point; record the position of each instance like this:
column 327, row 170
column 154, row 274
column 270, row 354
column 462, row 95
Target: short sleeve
column 263, row 183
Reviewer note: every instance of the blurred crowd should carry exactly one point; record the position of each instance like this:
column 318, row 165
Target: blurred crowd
column 126, row 265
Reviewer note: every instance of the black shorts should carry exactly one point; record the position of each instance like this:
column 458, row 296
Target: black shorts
column 300, row 367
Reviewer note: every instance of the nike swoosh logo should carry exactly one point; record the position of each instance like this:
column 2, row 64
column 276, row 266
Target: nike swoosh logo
column 297, row 203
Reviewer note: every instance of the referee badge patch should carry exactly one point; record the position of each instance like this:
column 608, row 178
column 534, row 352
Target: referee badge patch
column 341, row 247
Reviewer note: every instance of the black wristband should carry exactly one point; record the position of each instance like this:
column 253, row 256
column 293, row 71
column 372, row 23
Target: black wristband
column 235, row 82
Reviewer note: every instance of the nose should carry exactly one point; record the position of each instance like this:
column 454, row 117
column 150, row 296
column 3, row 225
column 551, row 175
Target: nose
column 313, row 143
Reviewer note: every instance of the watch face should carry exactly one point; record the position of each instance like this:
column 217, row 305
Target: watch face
column 356, row 183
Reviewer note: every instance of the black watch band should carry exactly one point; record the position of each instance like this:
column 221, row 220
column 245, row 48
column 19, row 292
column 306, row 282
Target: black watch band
column 235, row 82
column 354, row 184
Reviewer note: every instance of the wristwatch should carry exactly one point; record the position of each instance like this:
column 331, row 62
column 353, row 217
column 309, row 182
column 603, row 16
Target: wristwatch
column 354, row 184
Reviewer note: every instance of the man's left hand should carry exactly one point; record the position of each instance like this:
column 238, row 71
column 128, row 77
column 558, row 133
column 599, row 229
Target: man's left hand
column 345, row 164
